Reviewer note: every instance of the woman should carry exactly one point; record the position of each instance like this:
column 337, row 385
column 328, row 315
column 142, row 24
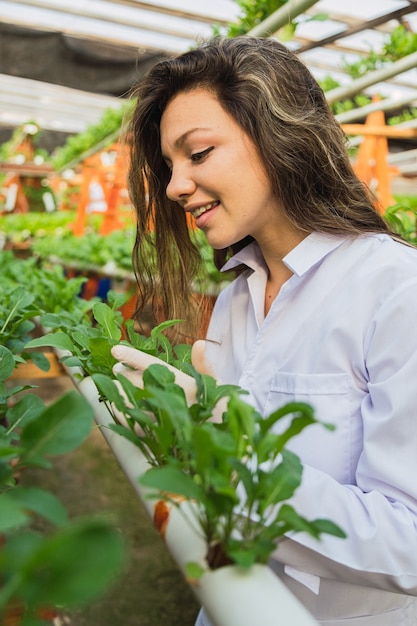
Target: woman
column 238, row 134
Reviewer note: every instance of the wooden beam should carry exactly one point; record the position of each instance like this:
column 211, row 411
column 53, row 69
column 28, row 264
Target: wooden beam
column 380, row 131
column 27, row 169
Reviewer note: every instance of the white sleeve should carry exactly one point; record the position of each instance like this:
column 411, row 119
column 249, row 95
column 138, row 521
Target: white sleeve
column 379, row 512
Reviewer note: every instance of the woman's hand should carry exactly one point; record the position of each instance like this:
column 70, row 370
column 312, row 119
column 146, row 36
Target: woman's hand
column 132, row 364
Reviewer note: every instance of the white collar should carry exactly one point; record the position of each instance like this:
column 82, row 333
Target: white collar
column 311, row 250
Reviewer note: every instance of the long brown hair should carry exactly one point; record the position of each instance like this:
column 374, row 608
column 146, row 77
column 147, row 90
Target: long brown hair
column 274, row 98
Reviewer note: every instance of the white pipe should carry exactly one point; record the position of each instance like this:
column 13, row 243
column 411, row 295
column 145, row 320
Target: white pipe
column 382, row 105
column 372, row 78
column 231, row 595
column 280, row 17
column 397, row 157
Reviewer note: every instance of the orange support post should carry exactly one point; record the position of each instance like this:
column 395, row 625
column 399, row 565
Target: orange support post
column 78, row 226
column 371, row 164
column 117, row 182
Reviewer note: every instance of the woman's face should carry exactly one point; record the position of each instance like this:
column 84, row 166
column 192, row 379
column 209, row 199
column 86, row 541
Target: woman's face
column 216, row 172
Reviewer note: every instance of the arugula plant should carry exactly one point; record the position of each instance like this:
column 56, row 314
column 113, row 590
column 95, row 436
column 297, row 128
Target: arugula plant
column 87, row 345
column 238, row 473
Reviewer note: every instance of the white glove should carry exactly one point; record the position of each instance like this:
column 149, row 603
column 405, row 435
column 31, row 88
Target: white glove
column 133, row 362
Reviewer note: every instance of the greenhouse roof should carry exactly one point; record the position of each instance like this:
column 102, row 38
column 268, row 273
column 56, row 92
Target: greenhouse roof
column 62, row 63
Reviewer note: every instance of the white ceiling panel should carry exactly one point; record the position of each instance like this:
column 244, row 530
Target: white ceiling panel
column 169, row 27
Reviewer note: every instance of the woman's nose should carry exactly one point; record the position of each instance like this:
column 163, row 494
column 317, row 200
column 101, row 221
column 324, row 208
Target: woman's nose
column 180, row 186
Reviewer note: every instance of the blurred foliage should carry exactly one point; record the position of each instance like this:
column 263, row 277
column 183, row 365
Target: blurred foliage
column 50, row 238
column 401, row 42
column 402, row 217
column 109, row 125
column 70, row 562
column 15, row 147
column 252, row 13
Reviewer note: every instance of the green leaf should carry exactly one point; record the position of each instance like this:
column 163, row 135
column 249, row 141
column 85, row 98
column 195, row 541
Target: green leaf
column 134, row 394
column 51, row 320
column 280, row 483
column 72, row 361
column 160, row 328
column 136, row 340
column 244, row 558
column 7, row 363
column 101, row 356
column 241, row 418
column 164, row 348
column 128, row 434
column 193, row 571
column 172, row 480
column 82, row 339
column 158, row 376
column 41, row 502
column 40, row 360
column 11, row 513
column 15, row 552
column 286, row 32
column 108, row 388
column 7, row 453
column 212, row 447
column 329, row 527
column 172, row 413
column 295, row 522
column 299, row 409
column 60, row 428
column 182, row 354
column 58, row 340
column 26, row 409
column 71, row 567
column 116, row 299
column 106, row 318
column 246, row 477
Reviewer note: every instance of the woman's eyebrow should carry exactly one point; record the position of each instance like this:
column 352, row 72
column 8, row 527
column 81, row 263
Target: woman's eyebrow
column 179, row 143
column 183, row 138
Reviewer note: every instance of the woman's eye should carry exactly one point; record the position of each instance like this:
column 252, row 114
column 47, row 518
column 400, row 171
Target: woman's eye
column 199, row 156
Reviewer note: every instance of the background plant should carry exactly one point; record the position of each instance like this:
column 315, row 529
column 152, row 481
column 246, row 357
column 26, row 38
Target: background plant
column 254, row 12
column 29, row 291
column 403, row 218
column 72, row 561
column 16, row 228
column 107, row 130
column 113, row 253
column 75, row 560
column 399, row 44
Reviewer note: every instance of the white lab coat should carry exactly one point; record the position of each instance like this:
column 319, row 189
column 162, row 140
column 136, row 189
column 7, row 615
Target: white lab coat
column 342, row 336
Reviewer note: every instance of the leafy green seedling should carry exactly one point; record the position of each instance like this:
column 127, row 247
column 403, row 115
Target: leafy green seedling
column 238, row 473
